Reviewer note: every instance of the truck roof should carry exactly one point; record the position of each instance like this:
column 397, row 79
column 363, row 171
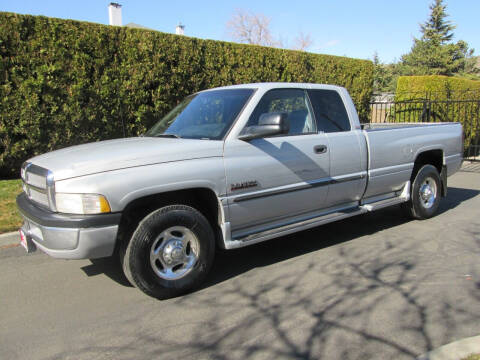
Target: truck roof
column 275, row 85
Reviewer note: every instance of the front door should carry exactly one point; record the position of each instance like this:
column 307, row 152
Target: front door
column 272, row 180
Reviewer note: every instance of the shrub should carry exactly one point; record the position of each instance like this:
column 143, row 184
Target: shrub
column 65, row 82
column 441, row 98
column 436, row 87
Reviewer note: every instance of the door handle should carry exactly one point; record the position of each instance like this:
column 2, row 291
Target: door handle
column 320, row 149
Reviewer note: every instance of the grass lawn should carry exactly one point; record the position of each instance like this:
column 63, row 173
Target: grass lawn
column 472, row 357
column 9, row 217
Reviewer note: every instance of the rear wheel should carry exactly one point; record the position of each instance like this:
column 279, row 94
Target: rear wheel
column 425, row 193
column 170, row 252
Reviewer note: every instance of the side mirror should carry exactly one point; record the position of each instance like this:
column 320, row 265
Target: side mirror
column 269, row 124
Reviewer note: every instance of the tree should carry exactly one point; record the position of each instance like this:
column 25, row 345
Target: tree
column 436, row 28
column 433, row 54
column 250, row 28
column 472, row 67
column 384, row 79
column 302, row 42
column 428, row 58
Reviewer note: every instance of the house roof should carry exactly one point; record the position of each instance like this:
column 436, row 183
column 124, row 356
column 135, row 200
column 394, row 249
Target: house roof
column 137, row 26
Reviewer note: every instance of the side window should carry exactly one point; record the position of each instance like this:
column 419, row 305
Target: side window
column 294, row 102
column 329, row 111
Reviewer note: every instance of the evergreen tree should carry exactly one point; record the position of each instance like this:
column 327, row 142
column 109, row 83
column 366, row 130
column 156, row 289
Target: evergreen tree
column 436, row 28
column 383, row 76
column 433, row 53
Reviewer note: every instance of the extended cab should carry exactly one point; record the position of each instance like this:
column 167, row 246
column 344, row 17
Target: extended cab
column 229, row 167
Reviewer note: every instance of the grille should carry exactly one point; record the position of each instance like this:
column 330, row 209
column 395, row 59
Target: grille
column 35, row 184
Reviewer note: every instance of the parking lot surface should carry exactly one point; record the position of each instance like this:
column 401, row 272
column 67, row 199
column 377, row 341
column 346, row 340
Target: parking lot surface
column 377, row 286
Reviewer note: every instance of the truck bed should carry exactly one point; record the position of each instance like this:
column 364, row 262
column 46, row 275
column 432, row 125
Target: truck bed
column 393, row 148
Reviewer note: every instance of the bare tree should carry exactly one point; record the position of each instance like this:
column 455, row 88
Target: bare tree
column 302, row 42
column 250, row 28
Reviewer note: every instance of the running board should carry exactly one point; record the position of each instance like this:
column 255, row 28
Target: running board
column 287, row 229
column 383, row 204
column 291, row 228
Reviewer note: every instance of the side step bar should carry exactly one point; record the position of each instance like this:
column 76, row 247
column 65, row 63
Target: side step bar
column 268, row 234
column 383, row 204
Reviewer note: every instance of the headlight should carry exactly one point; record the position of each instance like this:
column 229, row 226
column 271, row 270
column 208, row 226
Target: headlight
column 81, row 203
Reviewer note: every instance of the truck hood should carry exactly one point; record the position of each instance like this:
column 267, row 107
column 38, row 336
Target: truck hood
column 116, row 154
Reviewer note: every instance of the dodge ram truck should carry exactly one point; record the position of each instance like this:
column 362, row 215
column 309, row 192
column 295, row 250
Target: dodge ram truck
column 229, row 167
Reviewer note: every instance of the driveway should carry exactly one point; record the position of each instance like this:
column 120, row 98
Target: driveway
column 376, row 286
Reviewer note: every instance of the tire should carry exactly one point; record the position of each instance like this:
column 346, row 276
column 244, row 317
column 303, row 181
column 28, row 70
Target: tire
column 123, row 261
column 425, row 194
column 170, row 252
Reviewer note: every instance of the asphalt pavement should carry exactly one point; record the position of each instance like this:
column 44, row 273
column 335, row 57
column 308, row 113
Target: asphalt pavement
column 377, row 286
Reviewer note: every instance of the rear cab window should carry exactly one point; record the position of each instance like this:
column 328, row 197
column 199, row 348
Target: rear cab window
column 329, row 110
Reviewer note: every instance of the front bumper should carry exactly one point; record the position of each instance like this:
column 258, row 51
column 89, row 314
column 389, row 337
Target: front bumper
column 69, row 236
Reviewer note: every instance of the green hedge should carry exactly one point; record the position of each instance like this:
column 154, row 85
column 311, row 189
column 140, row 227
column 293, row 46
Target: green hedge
column 441, row 99
column 436, row 87
column 66, row 82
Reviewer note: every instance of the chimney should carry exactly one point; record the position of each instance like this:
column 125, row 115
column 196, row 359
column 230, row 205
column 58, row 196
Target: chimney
column 115, row 14
column 180, row 29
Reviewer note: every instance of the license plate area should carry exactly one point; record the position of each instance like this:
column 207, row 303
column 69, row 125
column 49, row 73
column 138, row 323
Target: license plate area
column 26, row 242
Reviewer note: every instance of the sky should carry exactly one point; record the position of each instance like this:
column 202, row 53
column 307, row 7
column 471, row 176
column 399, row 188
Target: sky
column 350, row 28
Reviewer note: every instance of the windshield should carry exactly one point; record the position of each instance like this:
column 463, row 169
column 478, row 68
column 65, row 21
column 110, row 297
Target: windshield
column 206, row 115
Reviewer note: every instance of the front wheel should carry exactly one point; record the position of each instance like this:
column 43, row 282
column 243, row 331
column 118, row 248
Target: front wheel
column 425, row 193
column 170, row 252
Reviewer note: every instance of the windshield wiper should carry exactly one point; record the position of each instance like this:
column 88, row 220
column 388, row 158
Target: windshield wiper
column 168, row 136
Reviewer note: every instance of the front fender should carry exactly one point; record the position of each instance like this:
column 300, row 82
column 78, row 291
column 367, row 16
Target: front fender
column 125, row 185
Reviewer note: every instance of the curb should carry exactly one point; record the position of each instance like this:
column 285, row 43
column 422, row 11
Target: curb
column 9, row 239
column 455, row 350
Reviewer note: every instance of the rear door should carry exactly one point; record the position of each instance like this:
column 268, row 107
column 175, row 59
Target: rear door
column 347, row 148
column 271, row 180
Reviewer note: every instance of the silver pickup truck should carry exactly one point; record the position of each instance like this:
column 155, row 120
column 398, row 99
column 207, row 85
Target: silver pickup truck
column 229, row 167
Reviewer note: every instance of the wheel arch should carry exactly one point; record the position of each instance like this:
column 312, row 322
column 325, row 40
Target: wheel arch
column 202, row 199
column 434, row 157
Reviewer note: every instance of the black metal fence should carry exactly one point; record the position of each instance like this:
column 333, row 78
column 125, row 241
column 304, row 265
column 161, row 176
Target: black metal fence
column 386, row 110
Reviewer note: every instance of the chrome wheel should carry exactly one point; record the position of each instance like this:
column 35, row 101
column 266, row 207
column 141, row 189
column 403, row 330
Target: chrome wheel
column 174, row 253
column 428, row 192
